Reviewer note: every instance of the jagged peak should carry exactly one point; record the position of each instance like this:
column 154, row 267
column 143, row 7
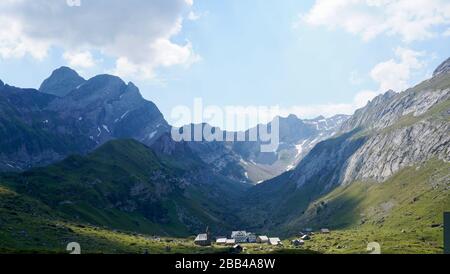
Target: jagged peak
column 383, row 97
column 442, row 68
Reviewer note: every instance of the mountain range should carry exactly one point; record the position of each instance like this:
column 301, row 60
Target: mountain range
column 69, row 114
column 395, row 131
column 96, row 152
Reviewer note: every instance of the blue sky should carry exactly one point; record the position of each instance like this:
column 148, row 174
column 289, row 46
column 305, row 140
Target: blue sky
column 308, row 57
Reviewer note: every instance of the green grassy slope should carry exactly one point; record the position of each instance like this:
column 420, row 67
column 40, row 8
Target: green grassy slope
column 124, row 185
column 29, row 226
column 404, row 214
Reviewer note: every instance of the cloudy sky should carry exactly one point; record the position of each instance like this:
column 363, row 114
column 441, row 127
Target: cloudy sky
column 316, row 57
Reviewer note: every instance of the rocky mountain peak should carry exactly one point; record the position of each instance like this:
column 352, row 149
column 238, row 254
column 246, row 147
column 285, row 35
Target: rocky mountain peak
column 61, row 82
column 442, row 68
column 388, row 95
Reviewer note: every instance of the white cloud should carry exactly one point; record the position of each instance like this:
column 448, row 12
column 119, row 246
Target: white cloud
column 310, row 111
column 81, row 59
column 395, row 75
column 363, row 97
column 447, row 32
column 15, row 45
column 410, row 19
column 138, row 32
column 193, row 16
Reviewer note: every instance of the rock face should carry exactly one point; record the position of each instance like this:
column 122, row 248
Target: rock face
column 384, row 154
column 443, row 68
column 71, row 115
column 105, row 108
column 399, row 130
column 394, row 131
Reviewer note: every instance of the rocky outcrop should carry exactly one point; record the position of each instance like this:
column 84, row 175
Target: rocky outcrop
column 443, row 68
column 384, row 154
column 387, row 109
column 402, row 130
column 399, row 130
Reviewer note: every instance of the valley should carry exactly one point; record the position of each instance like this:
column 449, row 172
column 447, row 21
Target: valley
column 93, row 162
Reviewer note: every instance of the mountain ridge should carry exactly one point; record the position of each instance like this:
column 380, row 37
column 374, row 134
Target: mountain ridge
column 393, row 132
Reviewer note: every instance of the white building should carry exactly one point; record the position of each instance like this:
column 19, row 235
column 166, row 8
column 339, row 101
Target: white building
column 221, row 241
column 231, row 242
column 240, row 236
column 202, row 240
column 274, row 241
column 262, row 239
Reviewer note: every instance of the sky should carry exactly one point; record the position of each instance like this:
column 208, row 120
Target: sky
column 309, row 58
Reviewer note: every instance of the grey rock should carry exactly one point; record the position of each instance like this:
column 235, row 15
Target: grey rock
column 442, row 68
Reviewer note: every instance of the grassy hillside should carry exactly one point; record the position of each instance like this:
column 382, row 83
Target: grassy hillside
column 404, row 214
column 29, row 226
column 124, row 185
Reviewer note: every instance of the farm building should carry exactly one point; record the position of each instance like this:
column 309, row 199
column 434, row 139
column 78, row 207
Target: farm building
column 262, row 239
column 221, row 241
column 240, row 236
column 306, row 237
column 202, row 240
column 230, row 242
column 274, row 241
column 325, row 231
